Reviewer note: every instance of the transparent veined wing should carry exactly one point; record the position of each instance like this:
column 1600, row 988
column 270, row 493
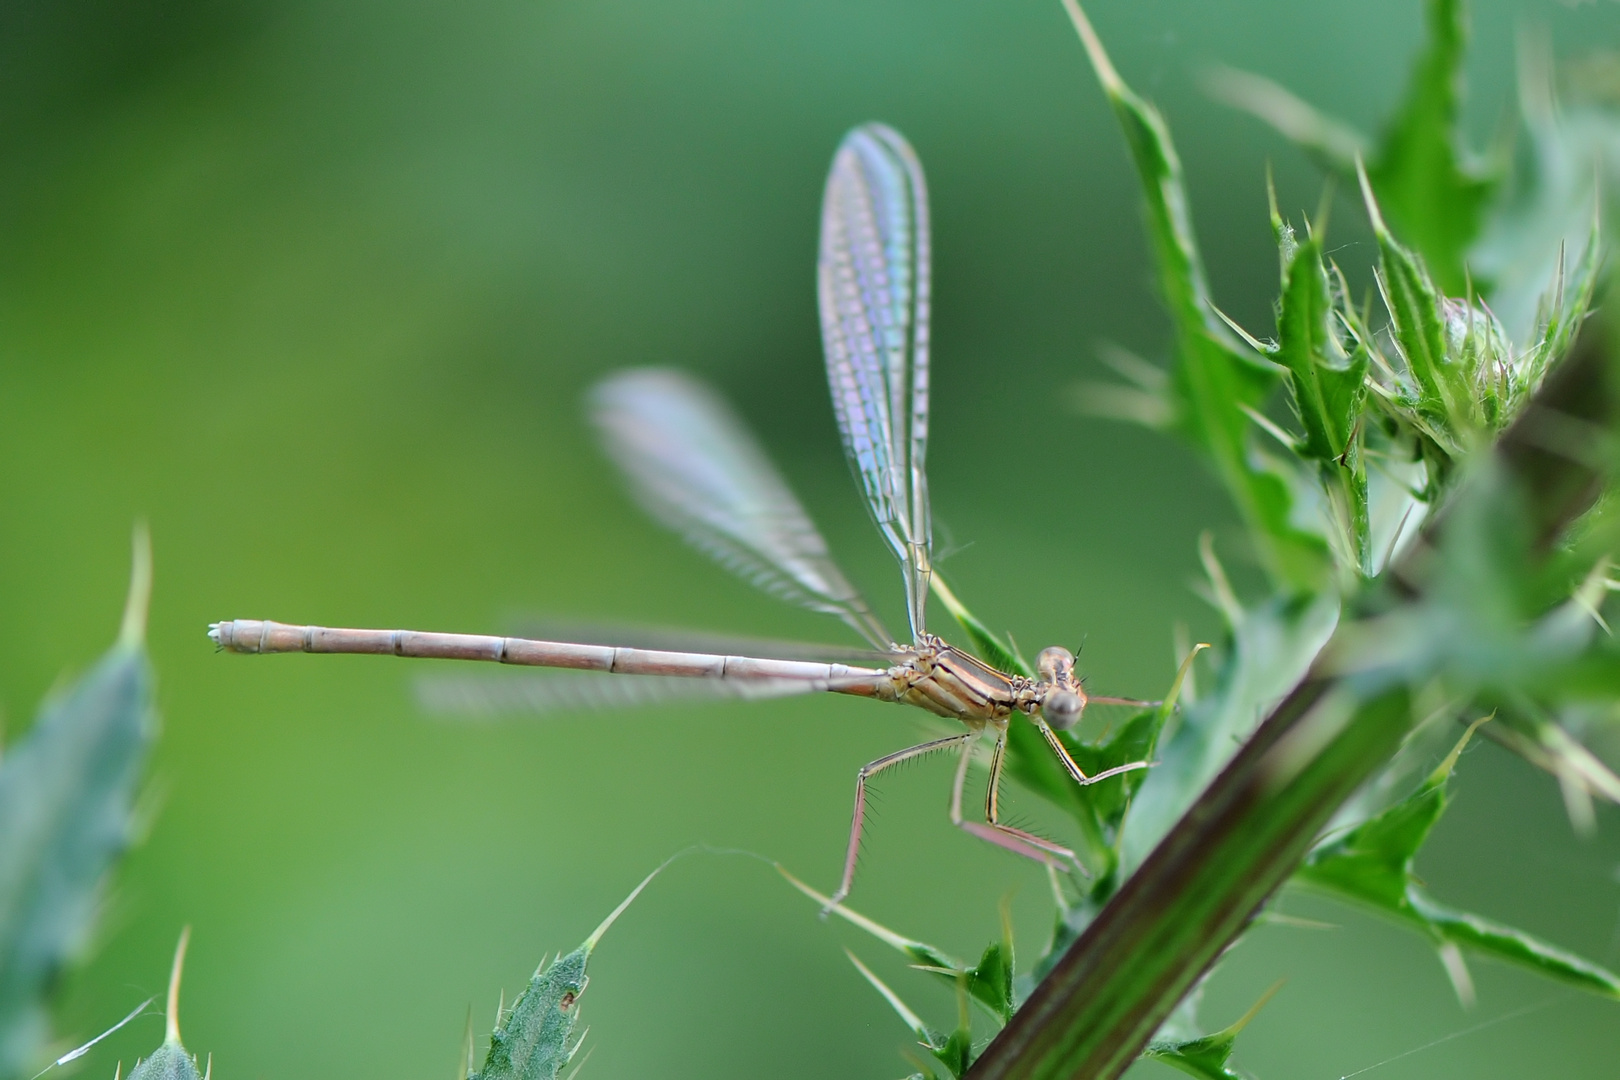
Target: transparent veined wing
column 697, row 469
column 873, row 288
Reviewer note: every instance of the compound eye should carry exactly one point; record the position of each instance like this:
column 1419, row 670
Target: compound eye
column 1062, row 709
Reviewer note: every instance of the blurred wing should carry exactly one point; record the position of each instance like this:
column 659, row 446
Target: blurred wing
column 544, row 693
column 694, row 467
column 873, row 285
column 633, row 636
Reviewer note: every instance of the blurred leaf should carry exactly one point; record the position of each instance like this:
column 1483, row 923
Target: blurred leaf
column 1581, row 776
column 534, row 1040
column 1216, row 382
column 170, row 1061
column 1334, row 144
column 1571, row 162
column 1206, row 1057
column 1433, row 196
column 1372, row 866
column 1436, row 198
column 66, row 794
column 1132, row 740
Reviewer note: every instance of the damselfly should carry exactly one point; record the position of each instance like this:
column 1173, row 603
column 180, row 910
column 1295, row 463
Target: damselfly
column 697, row 469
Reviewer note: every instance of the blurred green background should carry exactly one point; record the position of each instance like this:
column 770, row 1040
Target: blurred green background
column 316, row 288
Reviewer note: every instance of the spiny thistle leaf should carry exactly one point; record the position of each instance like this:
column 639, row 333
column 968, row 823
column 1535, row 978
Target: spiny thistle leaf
column 66, row 796
column 1564, row 306
column 1216, row 382
column 1206, row 1057
column 534, row 1040
column 171, row 1061
column 1328, row 387
column 1132, row 740
column 1372, row 866
column 1417, row 322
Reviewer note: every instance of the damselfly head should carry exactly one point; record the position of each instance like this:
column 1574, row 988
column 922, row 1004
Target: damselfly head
column 1056, row 665
column 1062, row 708
column 1062, row 701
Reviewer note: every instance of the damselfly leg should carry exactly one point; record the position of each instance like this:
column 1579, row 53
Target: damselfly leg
column 865, row 773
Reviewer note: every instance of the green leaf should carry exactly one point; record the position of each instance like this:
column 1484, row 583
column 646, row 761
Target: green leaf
column 1415, row 311
column 1267, row 651
column 534, row 1040
column 1328, row 387
column 1435, row 198
column 954, row 1050
column 991, row 649
column 1417, row 322
column 1371, row 865
column 1206, row 1057
column 1216, row 384
column 989, row 982
column 1563, row 308
column 171, row 1061
column 66, row 795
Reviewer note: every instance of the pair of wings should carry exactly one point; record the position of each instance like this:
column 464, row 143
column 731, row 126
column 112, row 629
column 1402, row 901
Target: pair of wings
column 697, row 469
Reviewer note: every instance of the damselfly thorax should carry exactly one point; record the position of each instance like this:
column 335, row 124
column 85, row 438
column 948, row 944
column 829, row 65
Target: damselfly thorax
column 697, row 469
column 935, row 675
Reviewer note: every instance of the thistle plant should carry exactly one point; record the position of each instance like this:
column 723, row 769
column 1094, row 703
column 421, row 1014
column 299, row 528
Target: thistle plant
column 1422, row 469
